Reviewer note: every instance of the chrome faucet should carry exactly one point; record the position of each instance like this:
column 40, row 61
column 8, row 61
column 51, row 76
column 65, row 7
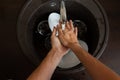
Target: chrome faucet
column 63, row 16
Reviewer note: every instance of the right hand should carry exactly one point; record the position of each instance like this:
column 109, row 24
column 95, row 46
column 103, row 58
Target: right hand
column 67, row 36
column 56, row 44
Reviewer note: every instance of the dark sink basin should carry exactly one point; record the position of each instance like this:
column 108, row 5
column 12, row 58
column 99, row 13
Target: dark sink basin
column 35, row 46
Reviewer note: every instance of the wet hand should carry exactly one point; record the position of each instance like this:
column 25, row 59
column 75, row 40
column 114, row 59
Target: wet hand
column 68, row 36
column 56, row 44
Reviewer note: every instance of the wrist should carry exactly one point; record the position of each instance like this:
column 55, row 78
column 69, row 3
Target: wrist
column 57, row 52
column 71, row 45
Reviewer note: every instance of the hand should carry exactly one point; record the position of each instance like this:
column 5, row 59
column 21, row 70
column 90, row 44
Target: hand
column 56, row 44
column 69, row 35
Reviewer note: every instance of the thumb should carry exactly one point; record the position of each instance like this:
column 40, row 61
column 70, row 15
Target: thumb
column 54, row 31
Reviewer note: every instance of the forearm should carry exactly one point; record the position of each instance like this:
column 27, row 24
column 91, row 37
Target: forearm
column 95, row 68
column 47, row 67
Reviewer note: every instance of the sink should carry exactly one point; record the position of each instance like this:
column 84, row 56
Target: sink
column 88, row 15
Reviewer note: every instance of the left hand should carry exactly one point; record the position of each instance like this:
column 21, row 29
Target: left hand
column 56, row 44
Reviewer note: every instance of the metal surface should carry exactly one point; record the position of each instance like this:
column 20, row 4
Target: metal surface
column 63, row 15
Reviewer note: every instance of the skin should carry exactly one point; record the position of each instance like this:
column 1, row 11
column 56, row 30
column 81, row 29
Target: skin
column 45, row 70
column 67, row 39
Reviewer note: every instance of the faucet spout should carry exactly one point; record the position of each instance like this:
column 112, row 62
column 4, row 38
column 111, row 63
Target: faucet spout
column 63, row 16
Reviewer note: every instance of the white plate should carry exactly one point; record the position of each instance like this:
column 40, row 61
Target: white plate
column 70, row 59
column 53, row 20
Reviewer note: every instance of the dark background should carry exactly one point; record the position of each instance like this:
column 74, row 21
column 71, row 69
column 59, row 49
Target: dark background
column 14, row 65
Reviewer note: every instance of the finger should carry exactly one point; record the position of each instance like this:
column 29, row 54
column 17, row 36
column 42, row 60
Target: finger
column 64, row 31
column 54, row 31
column 76, row 31
column 71, row 24
column 60, row 24
column 59, row 28
column 67, row 26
